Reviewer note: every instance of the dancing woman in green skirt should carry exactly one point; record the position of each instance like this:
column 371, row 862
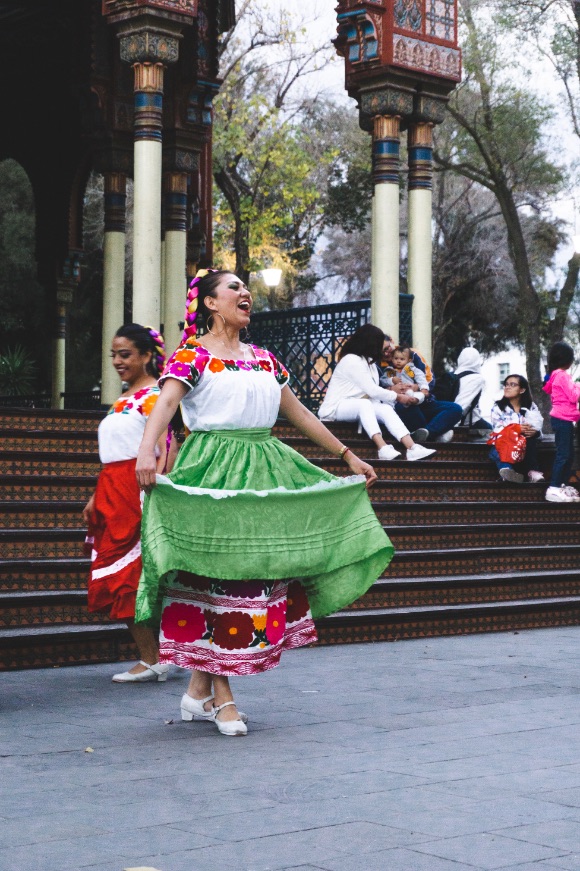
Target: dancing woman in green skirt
column 245, row 543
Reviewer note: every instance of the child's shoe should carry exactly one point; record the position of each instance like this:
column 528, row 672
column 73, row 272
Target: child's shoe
column 558, row 494
column 507, row 474
column 535, row 477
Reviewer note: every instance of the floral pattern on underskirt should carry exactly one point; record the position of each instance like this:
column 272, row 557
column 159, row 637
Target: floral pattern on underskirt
column 232, row 627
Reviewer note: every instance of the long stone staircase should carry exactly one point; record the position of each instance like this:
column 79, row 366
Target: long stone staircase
column 472, row 554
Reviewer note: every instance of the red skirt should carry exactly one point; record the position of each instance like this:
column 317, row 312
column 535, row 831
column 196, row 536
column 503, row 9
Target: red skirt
column 115, row 536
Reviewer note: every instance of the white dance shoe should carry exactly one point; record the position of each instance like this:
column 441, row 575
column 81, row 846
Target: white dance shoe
column 232, row 728
column 157, row 672
column 193, row 709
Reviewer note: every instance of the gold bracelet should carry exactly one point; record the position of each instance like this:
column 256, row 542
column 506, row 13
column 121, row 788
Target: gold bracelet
column 344, row 449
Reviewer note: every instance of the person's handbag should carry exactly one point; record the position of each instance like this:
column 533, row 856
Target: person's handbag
column 509, row 443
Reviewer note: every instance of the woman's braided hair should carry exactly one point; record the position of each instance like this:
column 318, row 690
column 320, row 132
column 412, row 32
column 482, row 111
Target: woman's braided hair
column 146, row 339
column 204, row 284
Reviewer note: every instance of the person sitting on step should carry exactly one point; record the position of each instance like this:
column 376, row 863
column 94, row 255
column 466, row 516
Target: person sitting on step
column 471, row 384
column 517, row 406
column 354, row 394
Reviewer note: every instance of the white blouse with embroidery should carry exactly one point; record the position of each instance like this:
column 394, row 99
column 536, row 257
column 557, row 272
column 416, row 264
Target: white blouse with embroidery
column 227, row 394
column 121, row 431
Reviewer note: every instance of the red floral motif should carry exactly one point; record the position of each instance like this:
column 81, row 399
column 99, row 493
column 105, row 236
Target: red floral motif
column 142, row 392
column 298, row 605
column 181, row 622
column 196, row 582
column 120, row 404
column 276, row 623
column 233, row 630
column 243, row 589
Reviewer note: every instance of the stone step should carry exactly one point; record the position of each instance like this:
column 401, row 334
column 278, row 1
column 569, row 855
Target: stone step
column 49, row 463
column 51, row 608
column 353, row 627
column 473, row 512
column 18, row 543
column 50, row 419
column 468, row 589
column 482, row 535
column 50, row 646
column 41, row 515
column 76, row 488
column 399, row 470
column 46, row 440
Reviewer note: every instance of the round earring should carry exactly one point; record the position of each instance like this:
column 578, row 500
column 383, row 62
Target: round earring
column 207, row 326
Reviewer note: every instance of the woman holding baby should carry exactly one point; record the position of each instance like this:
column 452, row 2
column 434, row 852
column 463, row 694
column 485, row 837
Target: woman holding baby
column 354, row 394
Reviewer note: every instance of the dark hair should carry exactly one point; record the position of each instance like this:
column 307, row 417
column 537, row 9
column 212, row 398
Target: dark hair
column 526, row 400
column 146, row 339
column 560, row 356
column 367, row 342
column 199, row 288
column 400, row 348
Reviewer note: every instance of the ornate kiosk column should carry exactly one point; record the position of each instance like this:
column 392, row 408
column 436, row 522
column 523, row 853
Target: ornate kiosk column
column 175, row 255
column 420, row 245
column 147, row 158
column 113, row 277
column 385, row 223
column 65, row 287
column 401, row 60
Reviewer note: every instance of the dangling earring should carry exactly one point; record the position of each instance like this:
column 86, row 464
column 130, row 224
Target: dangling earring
column 207, row 326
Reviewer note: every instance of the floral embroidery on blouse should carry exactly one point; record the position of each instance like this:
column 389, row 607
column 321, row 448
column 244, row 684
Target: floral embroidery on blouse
column 191, row 359
column 142, row 401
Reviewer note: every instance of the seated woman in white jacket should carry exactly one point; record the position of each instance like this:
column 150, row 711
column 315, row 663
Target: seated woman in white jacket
column 354, row 394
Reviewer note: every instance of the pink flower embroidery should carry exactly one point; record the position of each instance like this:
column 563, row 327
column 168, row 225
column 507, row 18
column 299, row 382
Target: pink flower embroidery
column 276, row 623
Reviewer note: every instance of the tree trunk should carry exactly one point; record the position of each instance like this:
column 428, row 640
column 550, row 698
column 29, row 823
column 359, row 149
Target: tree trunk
column 231, row 191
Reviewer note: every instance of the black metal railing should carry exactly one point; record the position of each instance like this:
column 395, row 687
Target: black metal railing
column 307, row 340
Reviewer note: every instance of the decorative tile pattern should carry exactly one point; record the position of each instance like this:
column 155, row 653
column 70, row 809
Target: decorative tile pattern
column 426, row 57
column 440, row 19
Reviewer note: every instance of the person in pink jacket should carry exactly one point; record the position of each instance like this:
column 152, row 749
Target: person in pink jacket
column 564, row 394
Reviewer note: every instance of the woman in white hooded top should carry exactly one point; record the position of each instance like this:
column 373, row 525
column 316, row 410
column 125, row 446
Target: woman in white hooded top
column 471, row 384
column 354, row 394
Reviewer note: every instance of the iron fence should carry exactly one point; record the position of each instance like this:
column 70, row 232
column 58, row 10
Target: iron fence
column 307, row 340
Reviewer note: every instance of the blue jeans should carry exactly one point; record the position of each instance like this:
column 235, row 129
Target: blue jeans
column 564, row 438
column 435, row 416
column 529, row 462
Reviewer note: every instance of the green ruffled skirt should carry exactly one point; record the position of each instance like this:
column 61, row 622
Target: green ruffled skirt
column 241, row 505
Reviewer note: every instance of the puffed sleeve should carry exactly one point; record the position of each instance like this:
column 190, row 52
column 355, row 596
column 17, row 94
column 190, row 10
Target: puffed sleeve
column 280, row 372
column 187, row 365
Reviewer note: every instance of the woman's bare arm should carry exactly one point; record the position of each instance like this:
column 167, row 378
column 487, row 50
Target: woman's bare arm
column 171, row 395
column 309, row 425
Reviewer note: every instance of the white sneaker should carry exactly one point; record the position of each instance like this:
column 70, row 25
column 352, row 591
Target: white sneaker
column 558, row 494
column 418, row 452
column 445, row 436
column 571, row 491
column 387, row 452
column 535, row 477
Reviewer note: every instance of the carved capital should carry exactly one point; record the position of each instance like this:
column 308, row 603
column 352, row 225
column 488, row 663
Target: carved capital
column 386, row 147
column 384, row 101
column 429, row 108
column 149, row 46
column 420, row 139
column 115, row 201
column 386, row 126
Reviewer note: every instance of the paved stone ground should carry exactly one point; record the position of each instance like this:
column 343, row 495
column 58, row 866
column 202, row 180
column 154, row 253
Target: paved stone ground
column 449, row 754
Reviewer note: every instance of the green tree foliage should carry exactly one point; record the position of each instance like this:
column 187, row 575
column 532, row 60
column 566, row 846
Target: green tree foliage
column 499, row 144
column 271, row 154
column 23, row 309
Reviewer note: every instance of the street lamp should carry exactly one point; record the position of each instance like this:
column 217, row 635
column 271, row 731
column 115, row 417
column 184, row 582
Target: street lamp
column 271, row 277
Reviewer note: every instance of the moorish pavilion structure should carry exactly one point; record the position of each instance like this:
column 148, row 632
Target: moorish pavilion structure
column 402, row 61
column 125, row 88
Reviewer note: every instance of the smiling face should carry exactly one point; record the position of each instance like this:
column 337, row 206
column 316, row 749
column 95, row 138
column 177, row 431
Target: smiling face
column 232, row 301
column 128, row 360
column 388, row 348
